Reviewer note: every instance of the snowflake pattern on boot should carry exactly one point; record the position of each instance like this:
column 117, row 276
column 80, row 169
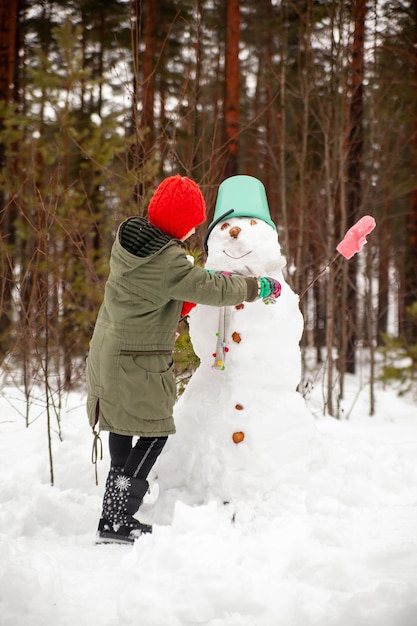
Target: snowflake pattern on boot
column 121, row 499
column 122, row 482
column 115, row 501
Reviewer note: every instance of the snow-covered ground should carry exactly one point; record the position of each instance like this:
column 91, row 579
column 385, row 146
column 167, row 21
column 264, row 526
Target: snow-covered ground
column 335, row 544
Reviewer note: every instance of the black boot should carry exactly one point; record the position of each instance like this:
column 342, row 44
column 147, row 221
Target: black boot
column 122, row 498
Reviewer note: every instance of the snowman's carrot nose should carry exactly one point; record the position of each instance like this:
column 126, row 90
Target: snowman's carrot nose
column 234, row 232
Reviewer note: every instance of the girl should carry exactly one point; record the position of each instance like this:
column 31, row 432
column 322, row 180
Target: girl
column 130, row 380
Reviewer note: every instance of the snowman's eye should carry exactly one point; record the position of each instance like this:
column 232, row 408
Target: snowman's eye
column 224, row 226
column 253, row 222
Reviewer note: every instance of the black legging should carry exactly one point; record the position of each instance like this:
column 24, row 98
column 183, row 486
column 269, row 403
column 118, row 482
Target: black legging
column 138, row 460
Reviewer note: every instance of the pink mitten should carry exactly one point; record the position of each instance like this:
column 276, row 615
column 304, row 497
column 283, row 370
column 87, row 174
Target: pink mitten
column 355, row 237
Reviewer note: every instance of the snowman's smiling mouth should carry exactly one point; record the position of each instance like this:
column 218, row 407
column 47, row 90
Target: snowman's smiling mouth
column 237, row 257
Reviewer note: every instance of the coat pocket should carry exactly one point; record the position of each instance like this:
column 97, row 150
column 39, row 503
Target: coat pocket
column 147, row 385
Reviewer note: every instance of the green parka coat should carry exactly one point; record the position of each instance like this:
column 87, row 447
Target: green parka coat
column 130, row 377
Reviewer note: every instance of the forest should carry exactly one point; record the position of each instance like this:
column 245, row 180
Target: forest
column 99, row 101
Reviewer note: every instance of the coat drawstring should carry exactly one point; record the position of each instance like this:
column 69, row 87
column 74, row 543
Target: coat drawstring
column 96, row 452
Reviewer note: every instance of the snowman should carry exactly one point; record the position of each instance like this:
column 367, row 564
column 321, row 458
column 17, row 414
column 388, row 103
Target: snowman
column 240, row 421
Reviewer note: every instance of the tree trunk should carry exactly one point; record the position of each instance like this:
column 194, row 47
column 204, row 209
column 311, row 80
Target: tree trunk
column 232, row 83
column 384, row 244
column 8, row 30
column 409, row 325
column 281, row 132
column 196, row 130
column 148, row 86
column 144, row 92
column 299, row 281
column 8, row 56
column 355, row 152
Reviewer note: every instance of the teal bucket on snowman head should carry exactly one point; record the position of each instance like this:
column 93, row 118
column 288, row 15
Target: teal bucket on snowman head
column 240, row 196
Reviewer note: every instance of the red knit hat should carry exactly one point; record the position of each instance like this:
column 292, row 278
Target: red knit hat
column 177, row 206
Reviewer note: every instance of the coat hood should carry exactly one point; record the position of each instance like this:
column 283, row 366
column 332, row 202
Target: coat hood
column 141, row 238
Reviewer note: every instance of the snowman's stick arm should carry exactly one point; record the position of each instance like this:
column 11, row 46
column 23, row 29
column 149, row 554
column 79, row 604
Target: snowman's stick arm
column 315, row 279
